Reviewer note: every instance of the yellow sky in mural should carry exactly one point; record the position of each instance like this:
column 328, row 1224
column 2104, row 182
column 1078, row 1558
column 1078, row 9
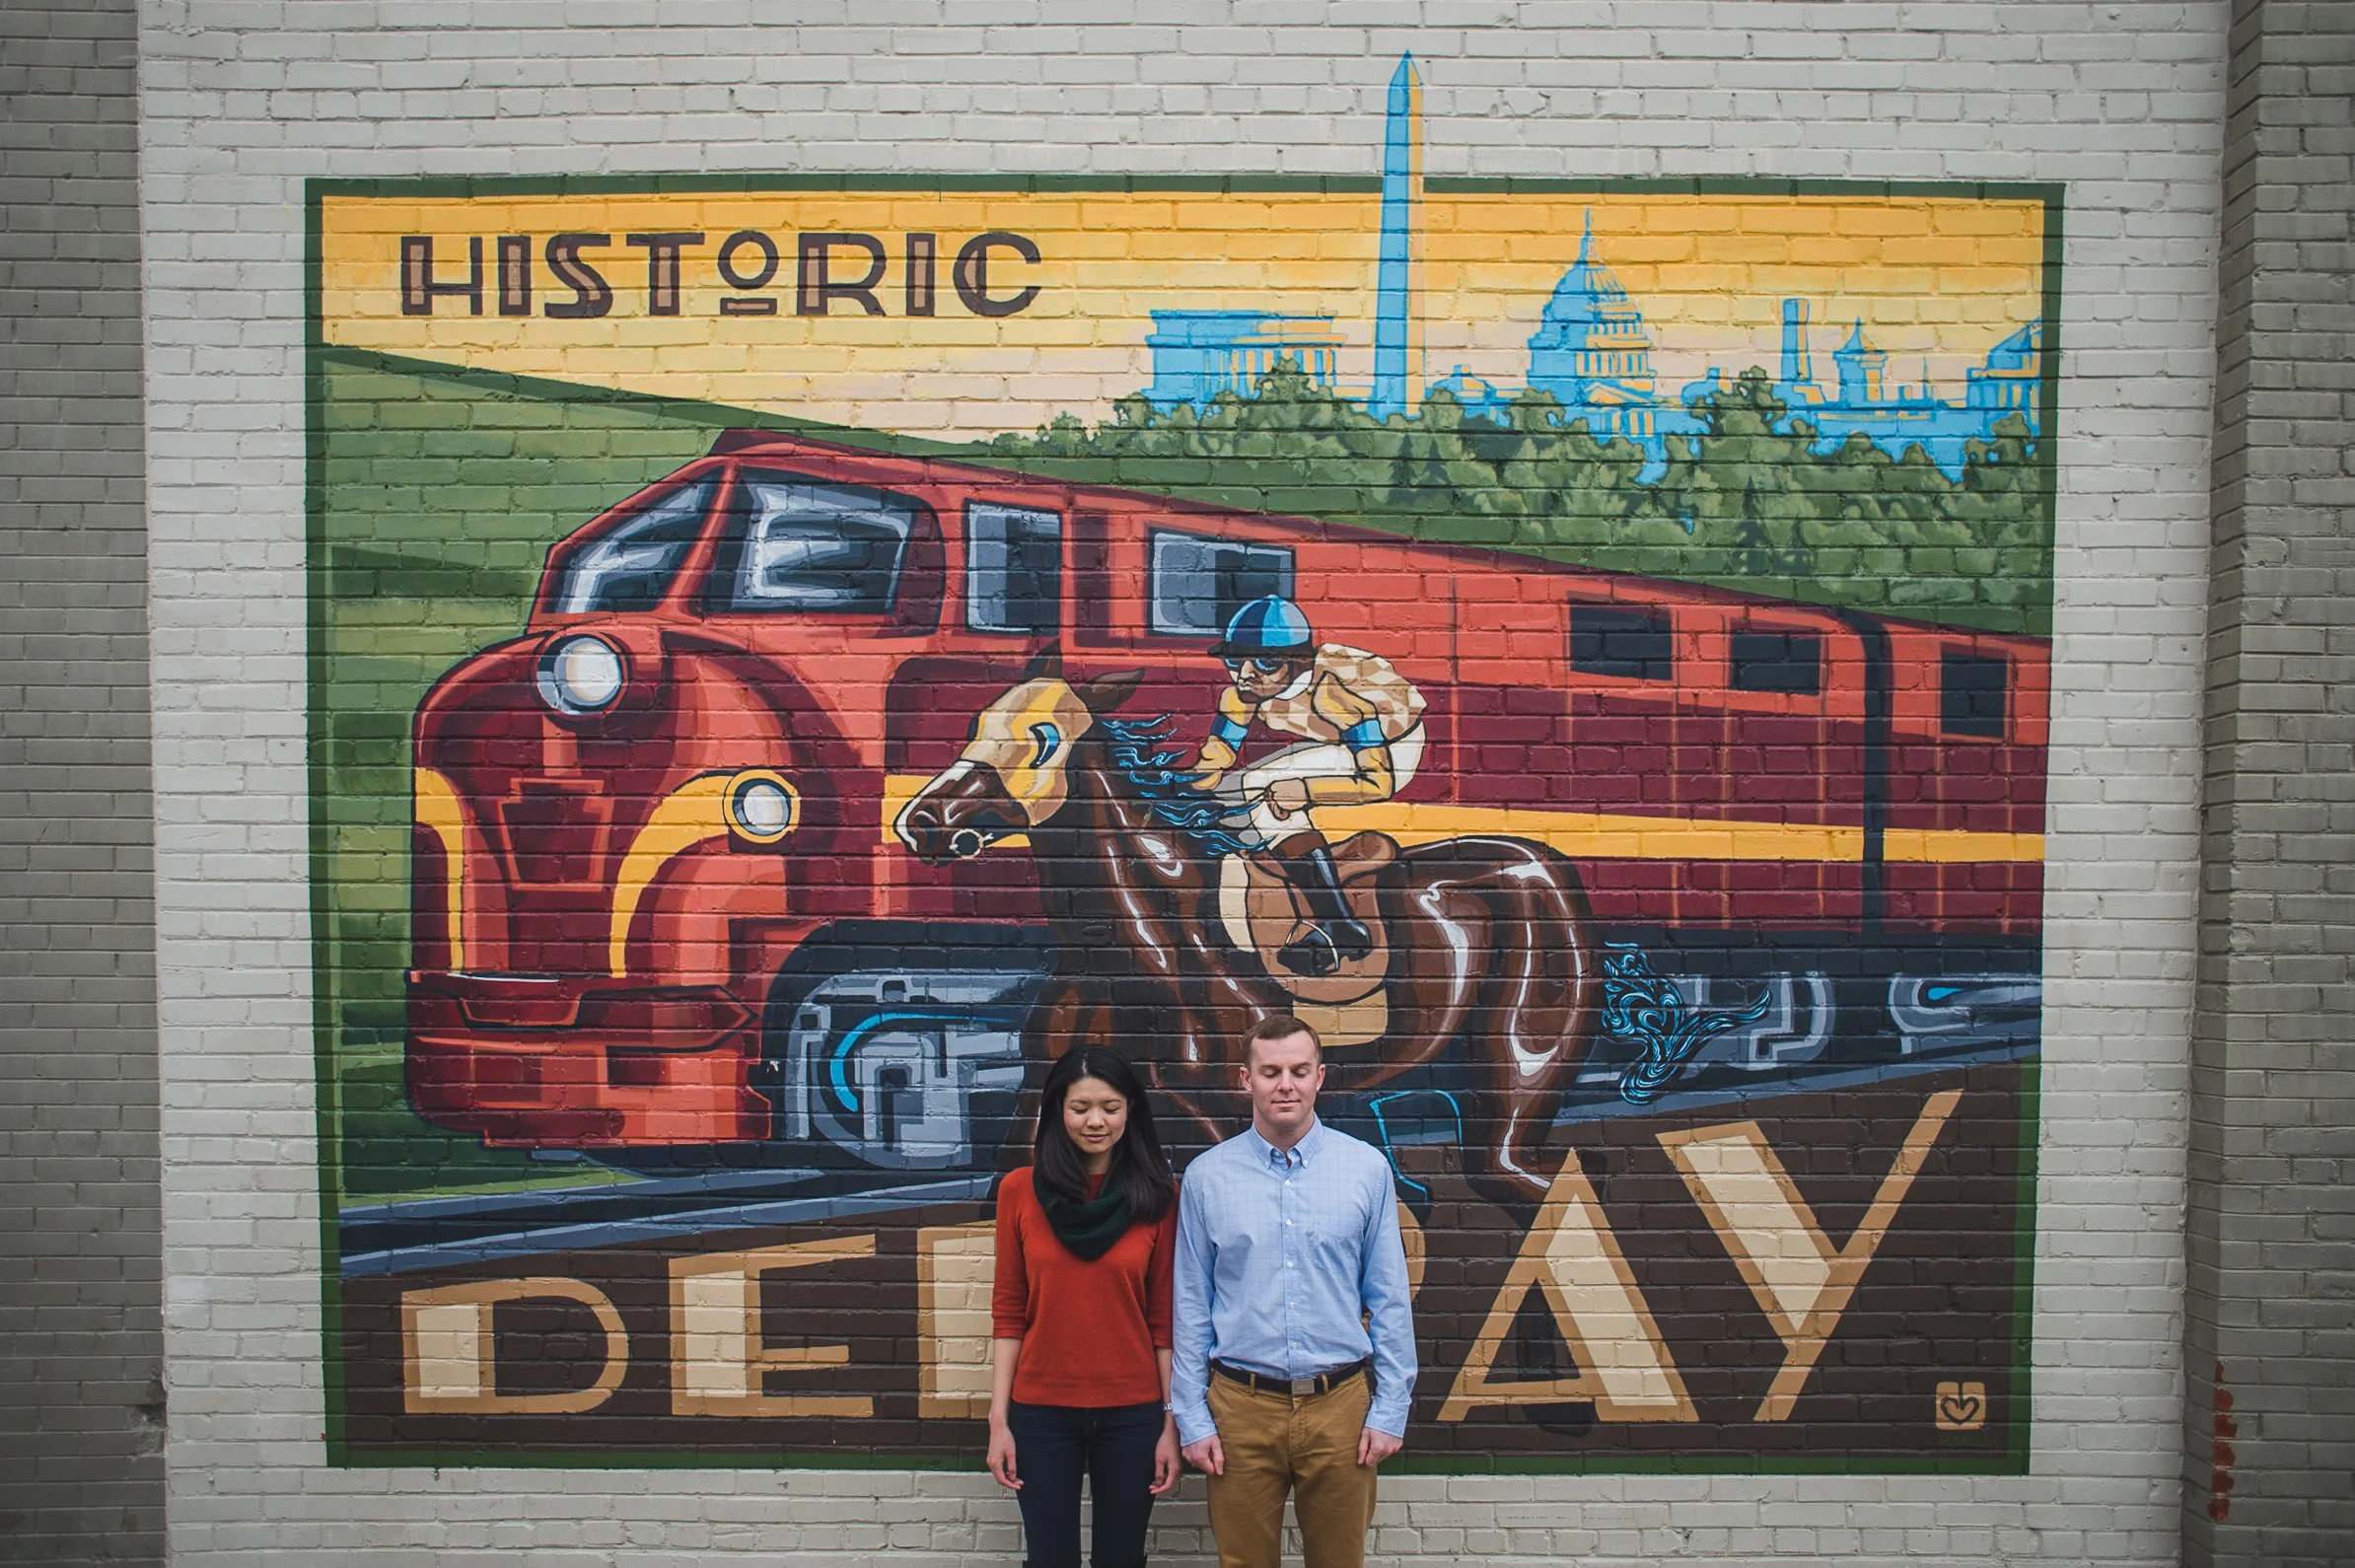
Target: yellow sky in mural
column 1937, row 282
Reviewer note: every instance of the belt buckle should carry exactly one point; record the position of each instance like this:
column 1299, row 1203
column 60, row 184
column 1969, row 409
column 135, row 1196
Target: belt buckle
column 1302, row 1387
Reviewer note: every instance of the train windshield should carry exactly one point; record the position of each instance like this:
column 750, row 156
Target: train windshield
column 1014, row 566
column 799, row 545
column 1194, row 584
column 630, row 565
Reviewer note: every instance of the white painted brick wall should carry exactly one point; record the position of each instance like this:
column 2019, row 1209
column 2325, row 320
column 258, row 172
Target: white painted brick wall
column 243, row 101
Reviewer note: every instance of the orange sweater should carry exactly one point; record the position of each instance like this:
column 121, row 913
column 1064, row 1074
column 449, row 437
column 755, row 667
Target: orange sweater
column 1089, row 1330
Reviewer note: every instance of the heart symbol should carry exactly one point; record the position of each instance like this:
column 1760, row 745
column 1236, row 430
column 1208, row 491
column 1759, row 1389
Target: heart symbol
column 1961, row 1409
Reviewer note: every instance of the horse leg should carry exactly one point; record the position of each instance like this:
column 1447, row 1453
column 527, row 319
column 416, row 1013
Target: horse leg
column 1500, row 957
column 1068, row 1013
column 1539, row 1012
column 1199, row 1072
column 1435, row 931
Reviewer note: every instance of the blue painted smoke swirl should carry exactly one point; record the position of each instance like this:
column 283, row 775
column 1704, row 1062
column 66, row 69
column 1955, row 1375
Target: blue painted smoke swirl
column 1163, row 782
column 1647, row 1009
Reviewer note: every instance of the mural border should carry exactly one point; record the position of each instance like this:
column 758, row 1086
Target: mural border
column 2013, row 1460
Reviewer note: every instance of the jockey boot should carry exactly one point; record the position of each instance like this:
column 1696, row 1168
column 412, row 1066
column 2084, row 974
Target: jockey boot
column 1334, row 936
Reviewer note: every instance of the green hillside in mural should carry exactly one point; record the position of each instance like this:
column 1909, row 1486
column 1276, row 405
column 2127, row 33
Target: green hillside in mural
column 1747, row 503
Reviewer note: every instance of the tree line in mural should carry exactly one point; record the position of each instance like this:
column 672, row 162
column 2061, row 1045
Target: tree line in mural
column 1745, row 503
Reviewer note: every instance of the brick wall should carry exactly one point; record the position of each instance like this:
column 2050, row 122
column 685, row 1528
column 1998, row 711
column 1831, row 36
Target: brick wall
column 80, row 1342
column 2119, row 104
column 2267, row 1353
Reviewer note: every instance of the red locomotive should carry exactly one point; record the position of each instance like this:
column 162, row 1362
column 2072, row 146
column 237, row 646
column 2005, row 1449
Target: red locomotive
column 658, row 901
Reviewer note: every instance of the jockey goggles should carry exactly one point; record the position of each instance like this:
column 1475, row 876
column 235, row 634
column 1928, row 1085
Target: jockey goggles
column 1265, row 664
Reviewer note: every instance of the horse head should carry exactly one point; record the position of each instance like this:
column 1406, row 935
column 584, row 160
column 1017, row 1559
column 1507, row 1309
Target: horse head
column 1012, row 774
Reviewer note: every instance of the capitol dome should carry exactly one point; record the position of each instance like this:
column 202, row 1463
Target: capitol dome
column 1592, row 349
column 1587, row 291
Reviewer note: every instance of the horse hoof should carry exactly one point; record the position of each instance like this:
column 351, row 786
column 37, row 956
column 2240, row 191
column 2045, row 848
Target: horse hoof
column 1516, row 1195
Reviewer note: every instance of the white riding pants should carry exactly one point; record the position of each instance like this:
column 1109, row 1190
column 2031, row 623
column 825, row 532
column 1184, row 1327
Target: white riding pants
column 1310, row 759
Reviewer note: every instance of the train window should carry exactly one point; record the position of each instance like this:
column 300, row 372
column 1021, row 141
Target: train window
column 1014, row 568
column 630, row 565
column 1776, row 661
column 797, row 544
column 1194, row 584
column 1632, row 644
column 1970, row 694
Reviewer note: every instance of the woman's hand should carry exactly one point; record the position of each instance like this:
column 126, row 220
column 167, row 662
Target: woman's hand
column 1166, row 1466
column 1001, row 1454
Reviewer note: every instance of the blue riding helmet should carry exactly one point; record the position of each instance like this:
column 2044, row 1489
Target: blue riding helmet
column 1268, row 628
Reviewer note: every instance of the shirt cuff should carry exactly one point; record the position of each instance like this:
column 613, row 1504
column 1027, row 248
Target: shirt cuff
column 1193, row 1423
column 1382, row 1417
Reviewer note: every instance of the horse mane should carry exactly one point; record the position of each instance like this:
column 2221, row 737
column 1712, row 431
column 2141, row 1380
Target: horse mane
column 1139, row 754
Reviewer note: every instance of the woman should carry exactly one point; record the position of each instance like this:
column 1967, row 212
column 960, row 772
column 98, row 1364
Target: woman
column 1081, row 1379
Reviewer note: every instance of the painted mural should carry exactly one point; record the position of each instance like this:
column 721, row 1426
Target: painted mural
column 792, row 656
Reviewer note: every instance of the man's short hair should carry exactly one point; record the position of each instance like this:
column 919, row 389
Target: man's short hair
column 1281, row 1026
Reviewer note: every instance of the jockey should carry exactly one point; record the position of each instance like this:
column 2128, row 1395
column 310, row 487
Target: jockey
column 1360, row 728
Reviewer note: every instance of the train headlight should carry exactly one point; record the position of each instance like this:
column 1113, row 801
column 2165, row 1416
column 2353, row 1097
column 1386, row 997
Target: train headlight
column 582, row 676
column 761, row 805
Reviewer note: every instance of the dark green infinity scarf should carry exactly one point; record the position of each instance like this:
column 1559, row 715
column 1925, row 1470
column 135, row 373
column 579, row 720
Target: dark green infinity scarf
column 1086, row 1229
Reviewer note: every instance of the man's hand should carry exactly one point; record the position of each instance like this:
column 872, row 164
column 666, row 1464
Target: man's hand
column 1208, row 1458
column 1288, row 795
column 1372, row 1447
column 1206, row 777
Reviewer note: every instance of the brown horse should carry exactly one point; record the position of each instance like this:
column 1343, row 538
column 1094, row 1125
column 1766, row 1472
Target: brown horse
column 1491, row 940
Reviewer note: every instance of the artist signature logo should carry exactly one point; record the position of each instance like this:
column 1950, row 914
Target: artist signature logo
column 1962, row 1406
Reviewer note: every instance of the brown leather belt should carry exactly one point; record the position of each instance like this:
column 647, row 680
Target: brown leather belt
column 1293, row 1387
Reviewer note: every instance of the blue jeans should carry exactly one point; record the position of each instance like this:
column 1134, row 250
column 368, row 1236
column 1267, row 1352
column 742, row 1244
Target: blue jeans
column 1054, row 1444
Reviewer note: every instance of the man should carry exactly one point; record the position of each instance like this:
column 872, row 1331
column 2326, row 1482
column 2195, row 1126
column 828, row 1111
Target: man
column 1288, row 1253
column 1361, row 734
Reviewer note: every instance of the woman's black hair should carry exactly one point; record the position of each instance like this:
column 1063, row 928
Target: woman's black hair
column 1139, row 1167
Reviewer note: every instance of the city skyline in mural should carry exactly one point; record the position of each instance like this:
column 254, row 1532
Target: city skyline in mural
column 1591, row 354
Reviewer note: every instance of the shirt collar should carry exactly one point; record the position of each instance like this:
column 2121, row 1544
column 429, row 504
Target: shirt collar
column 1264, row 1152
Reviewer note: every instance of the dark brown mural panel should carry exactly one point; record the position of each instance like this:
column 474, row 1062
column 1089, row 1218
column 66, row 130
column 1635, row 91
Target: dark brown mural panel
column 1821, row 1275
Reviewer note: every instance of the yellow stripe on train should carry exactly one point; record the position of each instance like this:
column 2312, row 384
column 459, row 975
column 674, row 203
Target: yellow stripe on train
column 438, row 810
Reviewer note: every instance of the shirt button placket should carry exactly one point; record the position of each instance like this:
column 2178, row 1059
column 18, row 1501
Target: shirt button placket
column 1291, row 1270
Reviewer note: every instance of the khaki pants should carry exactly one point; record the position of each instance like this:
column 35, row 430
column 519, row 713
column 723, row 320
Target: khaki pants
column 1274, row 1443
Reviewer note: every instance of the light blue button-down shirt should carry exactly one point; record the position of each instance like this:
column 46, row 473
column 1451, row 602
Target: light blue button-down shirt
column 1281, row 1256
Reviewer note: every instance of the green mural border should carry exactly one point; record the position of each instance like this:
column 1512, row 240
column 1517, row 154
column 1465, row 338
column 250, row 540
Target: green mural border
column 2024, row 1261
column 326, row 1082
column 2013, row 1458
column 436, row 187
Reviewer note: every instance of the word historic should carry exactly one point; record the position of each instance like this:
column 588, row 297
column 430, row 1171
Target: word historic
column 829, row 269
